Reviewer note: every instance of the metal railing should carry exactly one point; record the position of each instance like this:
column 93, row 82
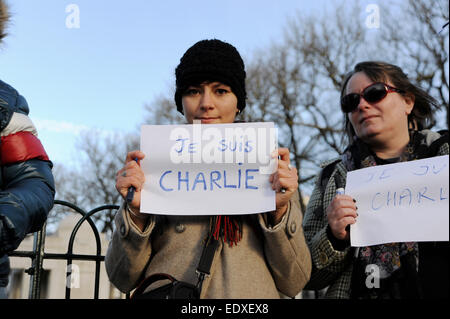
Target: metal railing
column 38, row 254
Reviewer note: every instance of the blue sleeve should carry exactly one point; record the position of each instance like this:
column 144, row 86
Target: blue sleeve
column 25, row 199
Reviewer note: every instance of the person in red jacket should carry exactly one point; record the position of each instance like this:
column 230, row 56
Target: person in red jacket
column 27, row 187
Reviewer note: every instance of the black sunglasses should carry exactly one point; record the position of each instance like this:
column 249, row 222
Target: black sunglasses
column 373, row 93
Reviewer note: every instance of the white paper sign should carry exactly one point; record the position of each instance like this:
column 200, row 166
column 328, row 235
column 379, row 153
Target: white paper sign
column 211, row 169
column 401, row 202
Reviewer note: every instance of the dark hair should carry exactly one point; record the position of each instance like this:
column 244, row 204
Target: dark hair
column 4, row 17
column 422, row 115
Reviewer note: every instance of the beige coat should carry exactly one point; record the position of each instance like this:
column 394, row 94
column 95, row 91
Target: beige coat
column 266, row 260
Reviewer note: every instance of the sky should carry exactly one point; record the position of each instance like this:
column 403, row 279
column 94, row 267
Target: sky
column 84, row 64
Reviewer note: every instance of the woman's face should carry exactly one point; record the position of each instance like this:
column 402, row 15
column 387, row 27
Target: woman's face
column 382, row 121
column 210, row 102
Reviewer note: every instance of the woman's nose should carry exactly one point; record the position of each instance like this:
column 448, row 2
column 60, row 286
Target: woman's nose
column 206, row 101
column 363, row 104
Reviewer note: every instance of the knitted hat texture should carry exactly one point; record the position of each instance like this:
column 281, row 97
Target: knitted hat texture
column 211, row 60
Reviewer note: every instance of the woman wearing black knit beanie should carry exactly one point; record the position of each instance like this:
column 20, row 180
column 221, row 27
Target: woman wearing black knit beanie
column 255, row 256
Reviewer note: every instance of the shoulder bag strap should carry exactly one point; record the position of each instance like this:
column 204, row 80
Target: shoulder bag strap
column 204, row 265
column 150, row 280
column 203, row 269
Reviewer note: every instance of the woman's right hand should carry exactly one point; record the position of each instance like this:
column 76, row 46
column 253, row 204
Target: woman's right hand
column 131, row 175
column 340, row 213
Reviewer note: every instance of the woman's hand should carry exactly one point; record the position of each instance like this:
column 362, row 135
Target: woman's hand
column 131, row 175
column 285, row 182
column 340, row 213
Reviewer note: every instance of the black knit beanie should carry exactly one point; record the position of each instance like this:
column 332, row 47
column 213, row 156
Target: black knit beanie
column 211, row 60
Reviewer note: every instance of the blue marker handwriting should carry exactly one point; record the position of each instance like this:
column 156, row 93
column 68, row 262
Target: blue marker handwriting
column 207, row 180
column 233, row 145
column 421, row 170
column 408, row 196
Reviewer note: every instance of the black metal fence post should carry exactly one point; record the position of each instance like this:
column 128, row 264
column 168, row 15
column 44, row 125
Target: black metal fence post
column 36, row 266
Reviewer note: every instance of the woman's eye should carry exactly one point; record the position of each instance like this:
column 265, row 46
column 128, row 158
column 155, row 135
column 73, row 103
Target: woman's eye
column 192, row 91
column 222, row 91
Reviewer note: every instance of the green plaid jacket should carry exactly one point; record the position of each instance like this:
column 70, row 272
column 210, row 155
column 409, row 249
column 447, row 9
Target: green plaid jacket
column 332, row 269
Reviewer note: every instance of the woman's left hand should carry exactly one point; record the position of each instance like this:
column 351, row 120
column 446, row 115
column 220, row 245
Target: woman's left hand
column 285, row 182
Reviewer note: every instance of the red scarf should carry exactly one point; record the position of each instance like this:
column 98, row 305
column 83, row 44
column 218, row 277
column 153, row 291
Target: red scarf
column 228, row 228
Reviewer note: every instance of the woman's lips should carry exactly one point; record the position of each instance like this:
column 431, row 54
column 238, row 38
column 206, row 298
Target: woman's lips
column 365, row 118
column 207, row 119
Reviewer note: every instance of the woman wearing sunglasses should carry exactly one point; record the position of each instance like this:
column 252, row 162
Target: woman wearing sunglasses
column 386, row 119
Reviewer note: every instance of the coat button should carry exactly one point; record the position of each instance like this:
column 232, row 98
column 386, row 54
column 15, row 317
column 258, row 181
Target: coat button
column 122, row 230
column 323, row 258
column 179, row 227
column 293, row 227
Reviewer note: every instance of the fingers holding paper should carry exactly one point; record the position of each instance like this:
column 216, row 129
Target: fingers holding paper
column 131, row 175
column 340, row 214
column 284, row 181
